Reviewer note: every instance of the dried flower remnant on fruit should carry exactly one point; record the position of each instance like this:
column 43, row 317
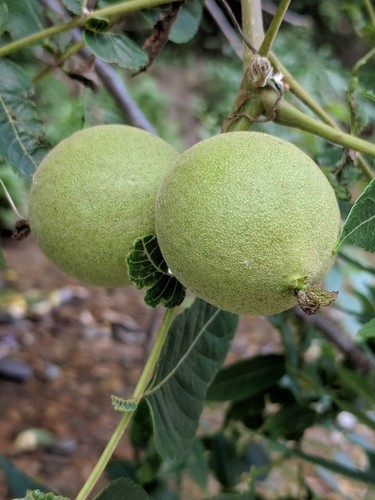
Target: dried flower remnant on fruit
column 311, row 298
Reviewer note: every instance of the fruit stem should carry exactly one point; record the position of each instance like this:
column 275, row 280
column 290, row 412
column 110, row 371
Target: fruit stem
column 274, row 27
column 287, row 114
column 111, row 11
column 138, row 393
column 300, row 92
column 306, row 98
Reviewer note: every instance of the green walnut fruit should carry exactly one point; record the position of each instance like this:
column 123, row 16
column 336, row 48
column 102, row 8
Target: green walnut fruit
column 93, row 195
column 244, row 218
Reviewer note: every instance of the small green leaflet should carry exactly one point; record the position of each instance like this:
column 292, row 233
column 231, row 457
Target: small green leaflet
column 97, row 24
column 367, row 331
column 148, row 269
column 187, row 23
column 114, row 48
column 40, row 495
column 75, row 6
column 359, row 227
column 24, row 18
column 123, row 405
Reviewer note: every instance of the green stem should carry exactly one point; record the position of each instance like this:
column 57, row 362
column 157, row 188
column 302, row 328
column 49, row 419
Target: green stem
column 112, row 11
column 125, row 420
column 245, row 117
column 361, row 62
column 71, row 51
column 274, row 28
column 288, row 115
column 306, row 98
column 301, row 93
column 370, row 11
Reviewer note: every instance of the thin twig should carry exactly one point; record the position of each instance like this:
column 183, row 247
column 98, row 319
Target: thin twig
column 273, row 28
column 290, row 17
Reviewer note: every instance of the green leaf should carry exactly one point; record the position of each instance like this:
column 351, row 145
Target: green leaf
column 118, row 49
column 196, row 464
column 359, row 227
column 121, row 468
column 367, row 331
column 122, row 488
column 3, row 16
column 21, row 133
column 97, row 24
column 279, row 424
column 18, row 481
column 249, row 411
column 247, row 377
column 187, row 23
column 74, row 6
column 360, row 384
column 24, row 18
column 148, row 269
column 195, row 349
column 40, row 495
column 141, row 432
column 224, row 461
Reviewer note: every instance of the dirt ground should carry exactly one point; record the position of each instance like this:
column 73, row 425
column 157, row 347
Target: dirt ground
column 82, row 345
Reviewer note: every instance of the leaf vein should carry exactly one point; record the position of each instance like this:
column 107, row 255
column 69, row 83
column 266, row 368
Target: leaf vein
column 183, row 358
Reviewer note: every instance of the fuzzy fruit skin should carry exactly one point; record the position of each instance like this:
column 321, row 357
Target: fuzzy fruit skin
column 241, row 216
column 93, row 195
